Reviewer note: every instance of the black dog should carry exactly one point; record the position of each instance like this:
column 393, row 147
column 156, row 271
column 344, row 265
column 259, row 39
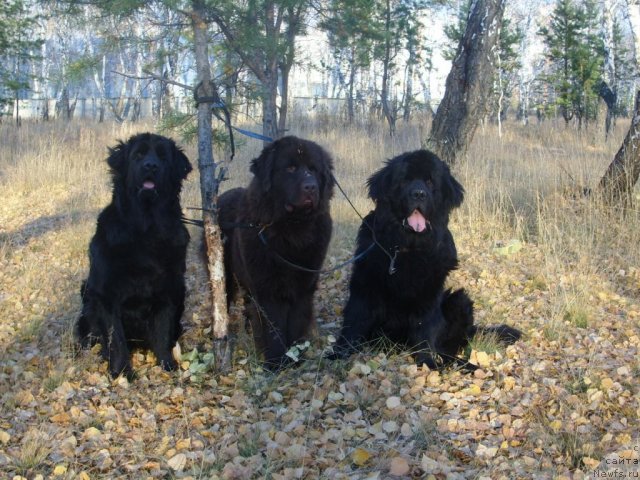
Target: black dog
column 397, row 288
column 134, row 295
column 276, row 234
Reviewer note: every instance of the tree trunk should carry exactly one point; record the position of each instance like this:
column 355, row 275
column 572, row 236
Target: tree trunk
column 618, row 181
column 386, row 73
column 17, row 109
column 294, row 17
column 209, row 182
column 408, row 91
column 270, row 105
column 468, row 85
column 352, row 81
column 273, row 21
column 284, row 102
column 426, row 92
column 610, row 98
column 609, row 67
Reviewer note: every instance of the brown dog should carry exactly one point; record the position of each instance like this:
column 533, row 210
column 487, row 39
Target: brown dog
column 276, row 234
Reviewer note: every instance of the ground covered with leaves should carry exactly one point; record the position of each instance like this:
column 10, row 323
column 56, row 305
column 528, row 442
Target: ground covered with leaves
column 563, row 402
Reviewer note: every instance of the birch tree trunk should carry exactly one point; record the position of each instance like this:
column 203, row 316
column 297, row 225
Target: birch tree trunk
column 389, row 113
column 618, row 181
column 352, row 80
column 209, row 182
column 468, row 85
column 408, row 91
column 608, row 94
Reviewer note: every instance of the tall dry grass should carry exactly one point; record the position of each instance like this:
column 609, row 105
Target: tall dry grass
column 524, row 185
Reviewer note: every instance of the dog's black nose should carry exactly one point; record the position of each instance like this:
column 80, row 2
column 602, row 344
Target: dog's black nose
column 150, row 164
column 418, row 194
column 310, row 186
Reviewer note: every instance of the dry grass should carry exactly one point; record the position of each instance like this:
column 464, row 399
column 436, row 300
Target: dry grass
column 573, row 288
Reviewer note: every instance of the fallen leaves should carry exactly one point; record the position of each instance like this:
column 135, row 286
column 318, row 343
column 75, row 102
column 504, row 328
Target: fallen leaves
column 360, row 457
column 554, row 405
column 178, row 462
column 393, row 402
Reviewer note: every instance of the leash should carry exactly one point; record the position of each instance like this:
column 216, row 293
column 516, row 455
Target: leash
column 353, row 259
column 392, row 258
column 263, row 239
column 218, row 103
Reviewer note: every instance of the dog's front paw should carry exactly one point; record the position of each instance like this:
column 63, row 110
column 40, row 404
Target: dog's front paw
column 124, row 369
column 339, row 353
column 427, row 359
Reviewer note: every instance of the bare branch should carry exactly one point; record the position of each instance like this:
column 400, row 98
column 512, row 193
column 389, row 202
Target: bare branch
column 153, row 76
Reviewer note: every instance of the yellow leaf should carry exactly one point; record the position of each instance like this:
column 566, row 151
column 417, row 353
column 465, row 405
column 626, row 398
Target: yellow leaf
column 59, row 470
column 183, row 444
column 483, row 359
column 556, row 425
column 592, row 463
column 62, row 417
column 399, row 467
column 472, row 390
column 509, row 383
column 606, row 383
column 360, row 456
column 178, row 462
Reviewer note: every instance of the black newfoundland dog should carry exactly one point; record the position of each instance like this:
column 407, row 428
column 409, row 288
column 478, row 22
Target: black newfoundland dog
column 276, row 236
column 134, row 295
column 397, row 289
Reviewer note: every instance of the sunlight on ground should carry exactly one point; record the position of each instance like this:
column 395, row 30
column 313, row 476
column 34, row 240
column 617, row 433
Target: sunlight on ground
column 553, row 405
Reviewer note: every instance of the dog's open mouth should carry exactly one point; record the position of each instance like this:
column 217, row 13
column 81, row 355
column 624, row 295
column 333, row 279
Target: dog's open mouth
column 305, row 206
column 416, row 222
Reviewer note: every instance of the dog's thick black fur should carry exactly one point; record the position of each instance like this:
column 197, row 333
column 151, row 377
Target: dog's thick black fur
column 397, row 289
column 282, row 218
column 134, row 295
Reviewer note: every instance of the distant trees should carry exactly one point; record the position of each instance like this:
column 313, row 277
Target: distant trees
column 575, row 53
column 400, row 32
column 377, row 56
column 19, row 44
column 351, row 34
column 262, row 33
column 383, row 35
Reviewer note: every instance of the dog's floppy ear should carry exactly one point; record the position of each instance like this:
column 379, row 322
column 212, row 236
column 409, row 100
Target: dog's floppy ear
column 117, row 159
column 262, row 167
column 181, row 161
column 452, row 191
column 379, row 183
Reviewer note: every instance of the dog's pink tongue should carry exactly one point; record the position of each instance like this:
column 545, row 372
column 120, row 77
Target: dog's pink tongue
column 148, row 185
column 416, row 221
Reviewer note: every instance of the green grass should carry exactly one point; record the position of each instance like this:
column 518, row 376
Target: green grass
column 577, row 316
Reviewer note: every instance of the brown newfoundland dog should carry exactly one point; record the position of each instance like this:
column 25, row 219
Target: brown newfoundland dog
column 134, row 295
column 277, row 231
column 397, row 289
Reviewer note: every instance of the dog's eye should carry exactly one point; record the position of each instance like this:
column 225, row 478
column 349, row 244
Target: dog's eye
column 291, row 168
column 429, row 183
